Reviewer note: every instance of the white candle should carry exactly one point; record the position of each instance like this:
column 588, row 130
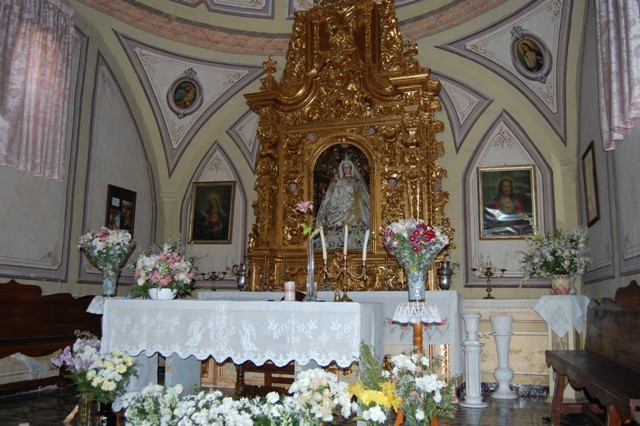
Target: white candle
column 346, row 238
column 364, row 247
column 290, row 290
column 324, row 244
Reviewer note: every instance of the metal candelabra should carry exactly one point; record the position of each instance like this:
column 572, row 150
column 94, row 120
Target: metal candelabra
column 486, row 269
column 347, row 274
column 214, row 276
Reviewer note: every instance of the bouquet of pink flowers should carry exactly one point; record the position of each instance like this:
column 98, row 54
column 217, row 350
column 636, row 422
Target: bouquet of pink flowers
column 165, row 267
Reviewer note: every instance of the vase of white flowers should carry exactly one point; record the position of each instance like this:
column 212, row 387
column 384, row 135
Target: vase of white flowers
column 561, row 255
column 107, row 250
column 416, row 245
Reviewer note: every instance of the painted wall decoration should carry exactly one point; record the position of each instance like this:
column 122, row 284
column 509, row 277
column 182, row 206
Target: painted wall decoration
column 185, row 94
column 530, row 55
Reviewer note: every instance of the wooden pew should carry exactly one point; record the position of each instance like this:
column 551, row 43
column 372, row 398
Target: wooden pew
column 608, row 369
column 37, row 325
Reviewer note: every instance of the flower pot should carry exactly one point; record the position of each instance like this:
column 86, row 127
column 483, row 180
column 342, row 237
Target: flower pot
column 162, row 293
column 561, row 285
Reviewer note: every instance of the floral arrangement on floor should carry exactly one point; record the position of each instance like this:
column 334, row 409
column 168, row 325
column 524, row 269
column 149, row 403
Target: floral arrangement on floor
column 100, row 377
column 423, row 394
column 414, row 243
column 375, row 395
column 320, row 394
column 315, row 397
column 563, row 252
column 167, row 266
column 107, row 249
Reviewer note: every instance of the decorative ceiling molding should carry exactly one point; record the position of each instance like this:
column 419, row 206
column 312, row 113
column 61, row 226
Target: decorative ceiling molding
column 252, row 9
column 303, row 5
column 463, row 105
column 161, row 74
column 244, row 133
column 242, row 41
column 543, row 26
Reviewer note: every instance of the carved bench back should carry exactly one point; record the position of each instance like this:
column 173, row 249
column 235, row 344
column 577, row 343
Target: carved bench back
column 612, row 326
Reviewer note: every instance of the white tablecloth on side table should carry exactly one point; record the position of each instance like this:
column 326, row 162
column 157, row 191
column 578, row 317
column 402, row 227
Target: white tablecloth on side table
column 562, row 313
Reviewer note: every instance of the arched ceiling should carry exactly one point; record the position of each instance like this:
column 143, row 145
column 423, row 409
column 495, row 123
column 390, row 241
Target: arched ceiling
column 243, row 27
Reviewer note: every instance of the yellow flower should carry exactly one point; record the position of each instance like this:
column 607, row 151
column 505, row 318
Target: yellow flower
column 389, row 389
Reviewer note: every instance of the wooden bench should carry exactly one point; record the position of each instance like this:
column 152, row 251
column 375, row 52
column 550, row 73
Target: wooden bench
column 608, row 369
column 37, row 325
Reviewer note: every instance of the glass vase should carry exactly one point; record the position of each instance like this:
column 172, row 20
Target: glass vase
column 416, row 278
column 312, row 285
column 84, row 415
column 109, row 283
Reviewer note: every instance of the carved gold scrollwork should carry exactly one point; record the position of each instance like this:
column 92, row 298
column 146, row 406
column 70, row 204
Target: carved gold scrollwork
column 349, row 81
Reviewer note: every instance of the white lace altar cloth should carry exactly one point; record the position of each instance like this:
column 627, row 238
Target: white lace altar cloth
column 449, row 303
column 562, row 313
column 256, row 331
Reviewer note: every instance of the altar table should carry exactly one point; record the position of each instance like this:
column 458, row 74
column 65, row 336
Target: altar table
column 255, row 331
column 449, row 304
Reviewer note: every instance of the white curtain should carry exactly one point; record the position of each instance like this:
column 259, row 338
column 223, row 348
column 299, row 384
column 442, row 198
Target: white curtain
column 618, row 43
column 36, row 51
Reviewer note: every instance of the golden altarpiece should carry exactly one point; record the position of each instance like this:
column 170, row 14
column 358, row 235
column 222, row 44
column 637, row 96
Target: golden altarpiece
column 351, row 89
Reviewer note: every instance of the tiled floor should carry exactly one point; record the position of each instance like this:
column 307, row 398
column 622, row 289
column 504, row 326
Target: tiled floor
column 48, row 407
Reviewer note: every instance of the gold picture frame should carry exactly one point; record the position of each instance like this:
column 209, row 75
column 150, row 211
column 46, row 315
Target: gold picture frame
column 506, row 202
column 212, row 212
column 590, row 182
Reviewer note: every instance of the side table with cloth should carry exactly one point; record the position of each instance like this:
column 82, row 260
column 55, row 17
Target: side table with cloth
column 188, row 331
column 449, row 335
column 563, row 314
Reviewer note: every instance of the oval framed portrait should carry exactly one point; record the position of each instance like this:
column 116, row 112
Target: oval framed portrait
column 531, row 57
column 185, row 96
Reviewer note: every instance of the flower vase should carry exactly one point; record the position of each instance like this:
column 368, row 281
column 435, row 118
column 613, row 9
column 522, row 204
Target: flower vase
column 416, row 278
column 162, row 293
column 84, row 415
column 312, row 285
column 561, row 285
column 109, row 283
column 104, row 415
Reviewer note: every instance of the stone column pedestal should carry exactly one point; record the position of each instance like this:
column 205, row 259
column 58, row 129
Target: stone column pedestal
column 502, row 332
column 472, row 349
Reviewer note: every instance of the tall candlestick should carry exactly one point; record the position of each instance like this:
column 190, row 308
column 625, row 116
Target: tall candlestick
column 346, row 238
column 324, row 244
column 364, row 247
